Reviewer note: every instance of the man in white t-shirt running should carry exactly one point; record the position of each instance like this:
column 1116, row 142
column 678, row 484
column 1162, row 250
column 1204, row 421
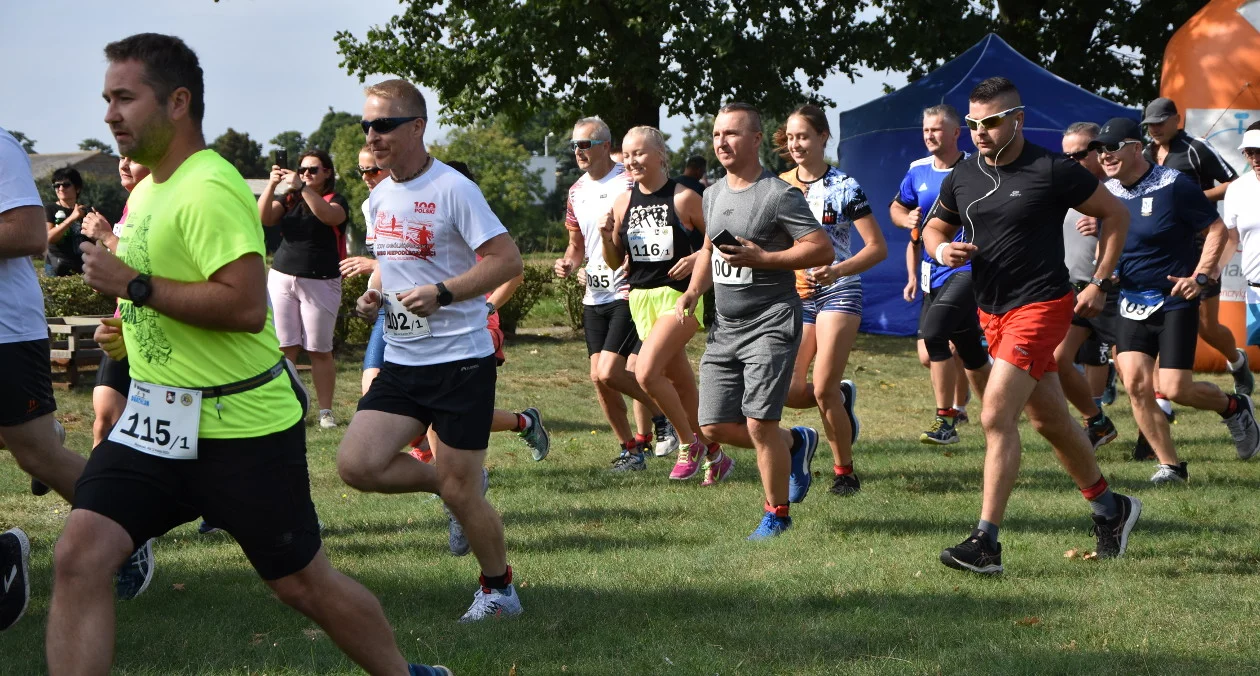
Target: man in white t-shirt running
column 611, row 339
column 431, row 224
column 1242, row 218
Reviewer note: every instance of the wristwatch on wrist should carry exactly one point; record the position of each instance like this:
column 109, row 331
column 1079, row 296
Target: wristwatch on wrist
column 445, row 297
column 490, row 308
column 139, row 290
column 1202, row 279
column 1103, row 284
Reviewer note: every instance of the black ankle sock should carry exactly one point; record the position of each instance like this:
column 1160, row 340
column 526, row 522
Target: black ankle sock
column 499, row 582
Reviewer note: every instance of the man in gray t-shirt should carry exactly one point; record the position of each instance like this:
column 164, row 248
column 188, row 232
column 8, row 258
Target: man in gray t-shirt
column 747, row 362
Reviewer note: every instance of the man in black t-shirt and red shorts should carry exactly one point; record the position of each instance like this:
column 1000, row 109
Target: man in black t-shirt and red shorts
column 1011, row 200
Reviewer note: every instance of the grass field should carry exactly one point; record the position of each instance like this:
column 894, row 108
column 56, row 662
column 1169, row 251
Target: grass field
column 634, row 574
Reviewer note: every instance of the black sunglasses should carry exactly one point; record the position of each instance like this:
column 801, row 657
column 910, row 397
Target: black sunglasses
column 1114, row 147
column 62, row 185
column 1079, row 155
column 309, row 170
column 585, row 144
column 384, row 125
column 369, row 171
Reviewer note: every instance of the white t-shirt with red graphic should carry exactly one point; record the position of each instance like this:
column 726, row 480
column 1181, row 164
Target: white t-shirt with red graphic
column 427, row 231
column 589, row 201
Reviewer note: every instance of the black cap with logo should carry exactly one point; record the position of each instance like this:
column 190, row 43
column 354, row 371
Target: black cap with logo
column 1159, row 110
column 1118, row 129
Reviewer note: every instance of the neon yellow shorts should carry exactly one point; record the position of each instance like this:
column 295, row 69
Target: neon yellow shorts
column 649, row 305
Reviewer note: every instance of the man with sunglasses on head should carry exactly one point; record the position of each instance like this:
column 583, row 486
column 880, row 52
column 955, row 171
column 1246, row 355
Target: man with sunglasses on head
column 1162, row 276
column 611, row 338
column 1010, row 202
column 431, row 224
column 1089, row 339
column 1172, row 147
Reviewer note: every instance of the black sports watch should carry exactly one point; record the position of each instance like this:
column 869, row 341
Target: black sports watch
column 139, row 290
column 1202, row 279
column 445, row 297
column 490, row 308
column 1104, row 284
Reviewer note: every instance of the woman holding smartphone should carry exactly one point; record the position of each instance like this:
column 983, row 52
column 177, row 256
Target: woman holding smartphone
column 832, row 294
column 659, row 224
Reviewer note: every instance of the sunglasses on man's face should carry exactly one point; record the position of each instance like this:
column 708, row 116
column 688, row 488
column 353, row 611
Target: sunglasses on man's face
column 585, row 144
column 1080, row 155
column 384, row 125
column 369, row 171
column 1113, row 147
column 62, row 186
column 991, row 122
column 309, row 170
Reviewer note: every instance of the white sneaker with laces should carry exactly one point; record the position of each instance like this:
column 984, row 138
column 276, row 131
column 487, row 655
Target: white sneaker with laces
column 326, row 420
column 493, row 604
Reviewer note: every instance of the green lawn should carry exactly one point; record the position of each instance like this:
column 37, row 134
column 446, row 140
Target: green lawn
column 640, row 575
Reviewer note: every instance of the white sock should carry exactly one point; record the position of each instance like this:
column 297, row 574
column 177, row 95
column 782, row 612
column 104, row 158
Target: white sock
column 1164, row 405
column 1237, row 364
column 961, row 408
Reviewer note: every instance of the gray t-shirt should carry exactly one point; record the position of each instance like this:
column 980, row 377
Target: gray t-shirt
column 1079, row 251
column 771, row 213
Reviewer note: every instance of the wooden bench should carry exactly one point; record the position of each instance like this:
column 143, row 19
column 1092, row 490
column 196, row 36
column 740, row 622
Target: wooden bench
column 72, row 346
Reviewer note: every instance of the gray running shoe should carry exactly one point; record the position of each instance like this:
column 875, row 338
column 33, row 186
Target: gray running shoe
column 666, row 437
column 456, row 540
column 535, row 435
column 629, row 462
column 1170, row 474
column 1243, row 429
column 1244, row 381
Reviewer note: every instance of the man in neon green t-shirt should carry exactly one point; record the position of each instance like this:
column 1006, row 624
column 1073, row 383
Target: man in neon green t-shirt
column 214, row 420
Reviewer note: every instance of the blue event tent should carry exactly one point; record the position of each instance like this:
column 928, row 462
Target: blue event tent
column 878, row 141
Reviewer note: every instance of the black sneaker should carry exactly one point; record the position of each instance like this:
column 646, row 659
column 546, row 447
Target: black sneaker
column 15, row 588
column 941, row 433
column 1142, row 449
column 1109, row 392
column 136, row 574
column 961, row 418
column 849, row 389
column 977, row 554
column 39, row 488
column 1113, row 535
column 845, row 485
column 1100, row 432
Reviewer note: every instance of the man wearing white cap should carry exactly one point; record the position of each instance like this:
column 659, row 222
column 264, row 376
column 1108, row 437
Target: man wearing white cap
column 1242, row 216
column 1196, row 158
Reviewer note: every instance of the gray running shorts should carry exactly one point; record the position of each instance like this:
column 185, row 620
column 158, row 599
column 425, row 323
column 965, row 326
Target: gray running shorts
column 747, row 365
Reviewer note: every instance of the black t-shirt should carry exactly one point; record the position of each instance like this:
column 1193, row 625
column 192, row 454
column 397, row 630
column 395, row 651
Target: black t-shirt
column 309, row 248
column 689, row 182
column 1017, row 224
column 1195, row 158
column 655, row 238
column 64, row 255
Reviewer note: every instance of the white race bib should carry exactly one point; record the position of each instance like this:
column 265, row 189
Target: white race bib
column 401, row 322
column 1140, row 305
column 160, row 420
column 730, row 275
column 925, row 276
column 651, row 244
column 599, row 276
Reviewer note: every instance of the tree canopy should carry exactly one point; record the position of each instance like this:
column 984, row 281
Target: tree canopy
column 625, row 61
column 242, row 152
column 96, row 144
column 333, row 121
column 28, row 143
column 291, row 141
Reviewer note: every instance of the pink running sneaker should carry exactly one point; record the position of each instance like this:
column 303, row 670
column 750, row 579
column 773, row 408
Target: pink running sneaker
column 689, row 458
column 422, row 452
column 717, row 470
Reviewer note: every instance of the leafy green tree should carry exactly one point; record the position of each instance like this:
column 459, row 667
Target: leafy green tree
column 291, row 141
column 28, row 143
column 333, row 121
column 501, row 166
column 242, row 152
column 511, row 58
column 97, row 145
column 345, row 155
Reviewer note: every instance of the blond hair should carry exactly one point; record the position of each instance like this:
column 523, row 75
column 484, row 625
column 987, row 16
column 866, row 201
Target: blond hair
column 402, row 91
column 655, row 140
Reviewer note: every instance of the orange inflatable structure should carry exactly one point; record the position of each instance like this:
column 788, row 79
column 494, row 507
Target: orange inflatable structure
column 1212, row 71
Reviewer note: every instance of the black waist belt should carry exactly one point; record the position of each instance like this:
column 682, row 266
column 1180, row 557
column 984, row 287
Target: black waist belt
column 244, row 385
column 1255, row 284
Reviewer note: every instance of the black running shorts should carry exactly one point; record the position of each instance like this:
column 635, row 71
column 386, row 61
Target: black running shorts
column 26, row 393
column 1169, row 335
column 609, row 328
column 455, row 398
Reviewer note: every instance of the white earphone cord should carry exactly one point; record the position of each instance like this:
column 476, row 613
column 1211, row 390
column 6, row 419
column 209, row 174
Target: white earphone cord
column 997, row 183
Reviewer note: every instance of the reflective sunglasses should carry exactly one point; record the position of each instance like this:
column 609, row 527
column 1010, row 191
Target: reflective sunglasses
column 1079, row 155
column 62, row 186
column 384, row 125
column 369, row 171
column 585, row 144
column 991, row 122
column 309, row 170
column 1114, row 147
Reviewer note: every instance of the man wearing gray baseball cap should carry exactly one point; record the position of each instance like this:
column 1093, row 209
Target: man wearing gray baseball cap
column 1195, row 157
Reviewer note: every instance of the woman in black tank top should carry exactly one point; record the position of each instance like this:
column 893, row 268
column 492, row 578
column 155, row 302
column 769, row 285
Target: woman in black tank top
column 651, row 226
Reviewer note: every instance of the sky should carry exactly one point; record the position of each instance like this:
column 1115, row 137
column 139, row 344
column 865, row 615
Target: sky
column 270, row 65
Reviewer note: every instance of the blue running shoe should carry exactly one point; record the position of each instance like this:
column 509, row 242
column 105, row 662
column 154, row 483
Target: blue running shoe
column 426, row 670
column 849, row 388
column 802, row 476
column 771, row 526
column 135, row 575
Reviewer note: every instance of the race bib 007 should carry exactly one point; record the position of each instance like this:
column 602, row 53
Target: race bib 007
column 730, row 275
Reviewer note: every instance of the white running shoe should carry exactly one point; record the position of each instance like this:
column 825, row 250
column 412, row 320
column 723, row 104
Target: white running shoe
column 493, row 604
column 326, row 420
column 666, row 440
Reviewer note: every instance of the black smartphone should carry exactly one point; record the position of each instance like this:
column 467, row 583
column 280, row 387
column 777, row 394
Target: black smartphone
column 282, row 158
column 724, row 238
